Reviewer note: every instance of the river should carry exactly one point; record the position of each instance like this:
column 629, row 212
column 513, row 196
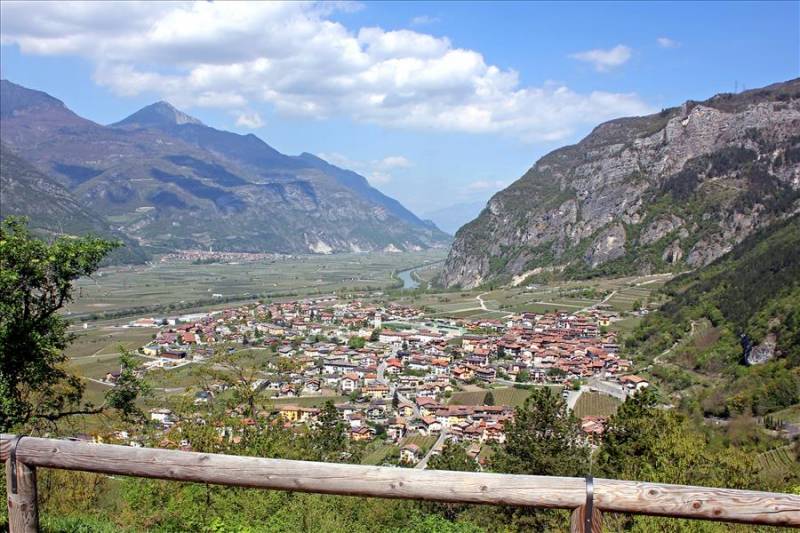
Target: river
column 408, row 280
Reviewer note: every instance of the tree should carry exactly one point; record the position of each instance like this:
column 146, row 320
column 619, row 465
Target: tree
column 328, row 438
column 453, row 457
column 543, row 439
column 36, row 281
column 375, row 335
column 488, row 399
column 239, row 372
column 523, row 376
column 356, row 343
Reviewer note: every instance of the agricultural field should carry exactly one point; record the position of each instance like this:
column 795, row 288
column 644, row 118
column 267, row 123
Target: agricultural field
column 776, row 461
column 308, row 401
column 181, row 283
column 377, row 452
column 568, row 296
column 596, row 404
column 424, row 442
column 502, row 396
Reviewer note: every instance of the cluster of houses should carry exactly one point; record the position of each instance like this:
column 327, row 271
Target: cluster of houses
column 393, row 370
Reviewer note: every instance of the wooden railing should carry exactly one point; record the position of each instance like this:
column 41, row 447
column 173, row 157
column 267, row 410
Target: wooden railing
column 587, row 498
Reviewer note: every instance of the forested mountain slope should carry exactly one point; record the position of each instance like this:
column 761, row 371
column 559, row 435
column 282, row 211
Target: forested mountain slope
column 735, row 325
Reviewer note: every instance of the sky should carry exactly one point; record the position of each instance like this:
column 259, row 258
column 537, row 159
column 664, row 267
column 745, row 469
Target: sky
column 437, row 104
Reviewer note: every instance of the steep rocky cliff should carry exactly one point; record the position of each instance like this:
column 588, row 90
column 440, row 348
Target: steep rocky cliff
column 668, row 191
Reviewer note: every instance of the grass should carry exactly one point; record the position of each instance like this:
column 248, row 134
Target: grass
column 502, row 396
column 308, row 401
column 790, row 414
column 424, row 442
column 596, row 404
column 378, row 453
column 124, row 288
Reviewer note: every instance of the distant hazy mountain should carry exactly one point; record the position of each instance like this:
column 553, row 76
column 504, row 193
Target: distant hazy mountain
column 51, row 209
column 169, row 181
column 677, row 189
column 452, row 217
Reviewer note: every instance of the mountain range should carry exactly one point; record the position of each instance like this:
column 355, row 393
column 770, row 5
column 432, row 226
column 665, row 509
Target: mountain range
column 669, row 191
column 163, row 180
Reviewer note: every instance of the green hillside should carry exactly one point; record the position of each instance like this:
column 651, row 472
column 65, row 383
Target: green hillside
column 733, row 328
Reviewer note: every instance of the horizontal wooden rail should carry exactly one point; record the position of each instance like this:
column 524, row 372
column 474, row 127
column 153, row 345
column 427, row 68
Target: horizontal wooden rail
column 658, row 499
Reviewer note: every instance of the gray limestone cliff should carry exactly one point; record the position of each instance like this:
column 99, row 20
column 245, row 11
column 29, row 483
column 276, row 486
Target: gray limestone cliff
column 676, row 189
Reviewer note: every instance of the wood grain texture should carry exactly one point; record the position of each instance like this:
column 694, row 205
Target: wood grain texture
column 23, row 516
column 305, row 476
column 577, row 524
column 704, row 503
column 678, row 501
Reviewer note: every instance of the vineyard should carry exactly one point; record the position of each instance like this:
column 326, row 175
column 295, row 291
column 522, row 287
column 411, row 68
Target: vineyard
column 503, row 396
column 596, row 404
column 776, row 461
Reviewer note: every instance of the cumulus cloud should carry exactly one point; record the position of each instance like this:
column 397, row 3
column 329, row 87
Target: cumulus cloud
column 377, row 171
column 666, row 42
column 251, row 120
column 294, row 59
column 605, row 60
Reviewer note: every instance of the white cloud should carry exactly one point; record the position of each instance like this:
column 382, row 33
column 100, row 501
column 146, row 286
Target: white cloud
column 424, row 20
column 250, row 120
column 486, row 185
column 605, row 60
column 666, row 42
column 395, row 161
column 377, row 171
column 293, row 58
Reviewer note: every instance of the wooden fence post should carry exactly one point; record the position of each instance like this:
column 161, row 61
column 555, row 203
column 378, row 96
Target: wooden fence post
column 23, row 514
column 577, row 522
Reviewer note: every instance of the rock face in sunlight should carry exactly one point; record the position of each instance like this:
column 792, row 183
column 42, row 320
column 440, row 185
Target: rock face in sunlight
column 168, row 181
column 676, row 189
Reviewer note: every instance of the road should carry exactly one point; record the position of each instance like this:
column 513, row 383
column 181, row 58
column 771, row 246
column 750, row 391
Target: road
column 403, row 400
column 480, row 301
column 612, row 389
column 572, row 398
column 437, row 446
column 169, row 390
column 593, row 306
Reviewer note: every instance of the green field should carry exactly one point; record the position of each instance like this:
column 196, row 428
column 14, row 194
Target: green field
column 181, row 284
column 308, row 401
column 502, row 396
column 568, row 296
column 424, row 442
column 776, row 461
column 596, row 404
column 377, row 452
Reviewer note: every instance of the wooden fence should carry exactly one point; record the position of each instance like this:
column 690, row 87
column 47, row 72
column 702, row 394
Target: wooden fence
column 587, row 498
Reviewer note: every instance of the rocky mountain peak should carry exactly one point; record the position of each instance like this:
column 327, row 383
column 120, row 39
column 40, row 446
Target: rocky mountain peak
column 158, row 115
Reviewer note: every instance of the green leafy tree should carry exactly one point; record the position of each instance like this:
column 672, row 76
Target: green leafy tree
column 240, row 372
column 328, row 437
column 453, row 457
column 36, row 281
column 355, row 342
column 488, row 399
column 543, row 439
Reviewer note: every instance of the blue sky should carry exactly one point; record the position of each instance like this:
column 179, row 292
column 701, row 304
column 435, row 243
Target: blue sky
column 436, row 103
